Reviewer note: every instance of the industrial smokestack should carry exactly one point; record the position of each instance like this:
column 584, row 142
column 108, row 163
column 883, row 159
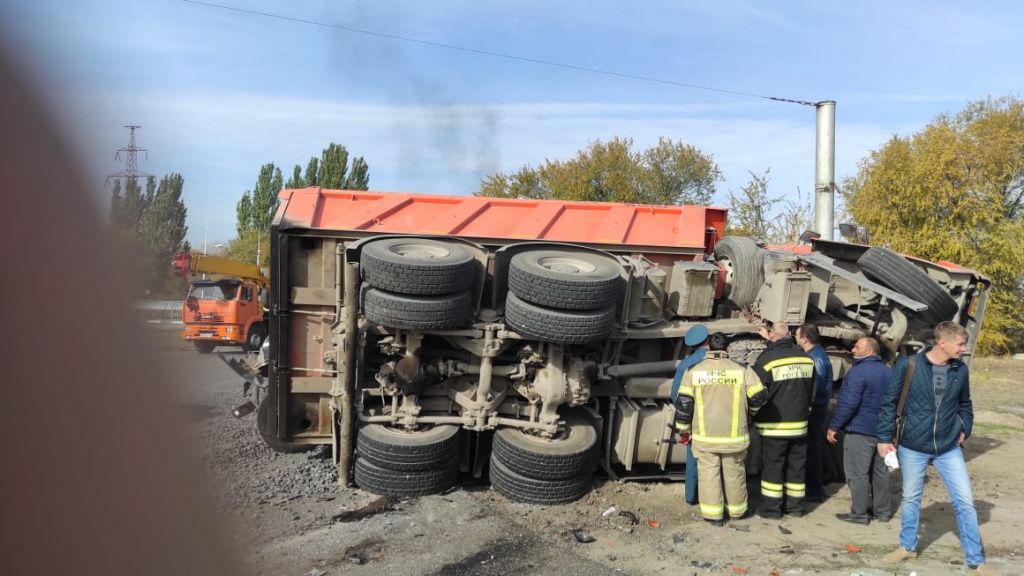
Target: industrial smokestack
column 825, row 170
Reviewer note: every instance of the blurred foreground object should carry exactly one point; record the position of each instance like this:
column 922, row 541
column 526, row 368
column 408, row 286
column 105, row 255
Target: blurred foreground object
column 98, row 477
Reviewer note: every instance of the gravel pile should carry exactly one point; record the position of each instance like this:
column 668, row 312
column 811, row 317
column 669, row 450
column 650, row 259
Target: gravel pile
column 243, row 468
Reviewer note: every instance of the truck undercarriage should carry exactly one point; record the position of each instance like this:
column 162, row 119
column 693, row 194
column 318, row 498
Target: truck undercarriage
column 538, row 358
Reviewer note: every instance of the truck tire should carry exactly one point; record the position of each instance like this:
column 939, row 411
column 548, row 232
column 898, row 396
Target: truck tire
column 204, row 346
column 418, row 313
column 571, row 453
column 416, row 266
column 408, row 451
column 388, row 482
column 519, row 488
column 550, row 325
column 564, row 280
column 262, row 413
column 744, row 264
column 894, row 271
column 254, row 339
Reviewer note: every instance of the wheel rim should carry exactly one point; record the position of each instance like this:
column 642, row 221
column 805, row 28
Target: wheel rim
column 565, row 265
column 726, row 266
column 420, row 251
column 255, row 340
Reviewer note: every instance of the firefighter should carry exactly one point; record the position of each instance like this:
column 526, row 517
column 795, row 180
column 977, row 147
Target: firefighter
column 788, row 374
column 711, row 411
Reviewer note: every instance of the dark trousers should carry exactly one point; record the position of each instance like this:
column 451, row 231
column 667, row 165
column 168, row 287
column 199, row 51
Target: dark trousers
column 691, row 476
column 866, row 474
column 784, row 463
column 817, row 426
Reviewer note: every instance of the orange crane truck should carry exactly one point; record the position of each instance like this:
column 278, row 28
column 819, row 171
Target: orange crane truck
column 225, row 311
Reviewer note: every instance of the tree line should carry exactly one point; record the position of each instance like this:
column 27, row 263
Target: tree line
column 255, row 210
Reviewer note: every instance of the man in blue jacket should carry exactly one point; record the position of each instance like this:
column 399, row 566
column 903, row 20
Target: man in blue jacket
column 860, row 400
column 808, row 338
column 696, row 339
column 937, row 418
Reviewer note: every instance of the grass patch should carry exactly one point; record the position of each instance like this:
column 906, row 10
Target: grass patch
column 995, row 428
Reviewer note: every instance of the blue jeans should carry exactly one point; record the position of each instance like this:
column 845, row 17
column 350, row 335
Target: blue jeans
column 953, row 471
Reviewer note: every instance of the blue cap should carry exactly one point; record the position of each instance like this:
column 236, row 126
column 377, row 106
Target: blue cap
column 696, row 335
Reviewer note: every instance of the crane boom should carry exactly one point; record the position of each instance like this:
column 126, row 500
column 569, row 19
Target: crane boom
column 186, row 264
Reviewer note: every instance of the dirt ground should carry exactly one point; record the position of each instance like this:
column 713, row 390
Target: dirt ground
column 475, row 531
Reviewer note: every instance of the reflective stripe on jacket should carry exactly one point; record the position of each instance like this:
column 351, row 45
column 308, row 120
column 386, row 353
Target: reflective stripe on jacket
column 722, row 392
column 788, row 374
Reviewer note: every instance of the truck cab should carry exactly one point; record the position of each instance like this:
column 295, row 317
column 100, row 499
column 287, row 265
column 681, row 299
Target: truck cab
column 223, row 312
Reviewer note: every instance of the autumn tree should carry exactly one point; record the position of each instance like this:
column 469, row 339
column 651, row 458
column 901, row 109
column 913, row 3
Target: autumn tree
column 332, row 170
column 750, row 210
column 164, row 231
column 795, row 216
column 775, row 219
column 667, row 173
column 254, row 213
column 955, row 191
column 151, row 227
column 255, row 210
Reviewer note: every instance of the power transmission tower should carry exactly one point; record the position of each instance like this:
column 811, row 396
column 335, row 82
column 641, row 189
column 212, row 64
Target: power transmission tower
column 131, row 153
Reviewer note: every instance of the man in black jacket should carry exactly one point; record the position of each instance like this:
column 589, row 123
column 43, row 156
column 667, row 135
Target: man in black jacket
column 788, row 374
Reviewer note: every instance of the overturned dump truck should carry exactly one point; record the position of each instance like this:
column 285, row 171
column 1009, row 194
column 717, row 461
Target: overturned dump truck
column 534, row 342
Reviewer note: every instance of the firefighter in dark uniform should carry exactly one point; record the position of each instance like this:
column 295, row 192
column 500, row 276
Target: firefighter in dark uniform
column 788, row 375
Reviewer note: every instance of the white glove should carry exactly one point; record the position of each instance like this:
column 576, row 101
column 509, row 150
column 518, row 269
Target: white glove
column 891, row 461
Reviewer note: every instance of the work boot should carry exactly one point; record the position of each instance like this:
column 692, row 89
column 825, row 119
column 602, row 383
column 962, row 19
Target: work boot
column 717, row 523
column 982, row 570
column 852, row 518
column 899, row 555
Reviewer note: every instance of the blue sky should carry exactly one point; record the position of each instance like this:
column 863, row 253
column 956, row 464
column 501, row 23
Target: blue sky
column 219, row 92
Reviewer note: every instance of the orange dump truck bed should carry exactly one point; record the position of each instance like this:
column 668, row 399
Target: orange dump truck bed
column 667, row 228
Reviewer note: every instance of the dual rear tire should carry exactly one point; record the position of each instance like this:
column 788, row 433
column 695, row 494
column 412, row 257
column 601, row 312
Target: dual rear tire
column 393, row 462
column 534, row 470
column 562, row 297
column 417, row 284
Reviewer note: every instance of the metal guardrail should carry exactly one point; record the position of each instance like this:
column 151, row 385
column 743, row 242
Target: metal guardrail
column 160, row 311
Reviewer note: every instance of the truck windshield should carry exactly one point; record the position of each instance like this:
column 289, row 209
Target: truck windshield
column 218, row 291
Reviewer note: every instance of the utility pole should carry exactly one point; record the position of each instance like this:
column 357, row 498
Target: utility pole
column 131, row 158
column 825, row 169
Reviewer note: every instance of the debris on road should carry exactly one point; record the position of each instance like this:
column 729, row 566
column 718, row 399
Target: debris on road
column 784, row 530
column 581, row 536
column 632, row 517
